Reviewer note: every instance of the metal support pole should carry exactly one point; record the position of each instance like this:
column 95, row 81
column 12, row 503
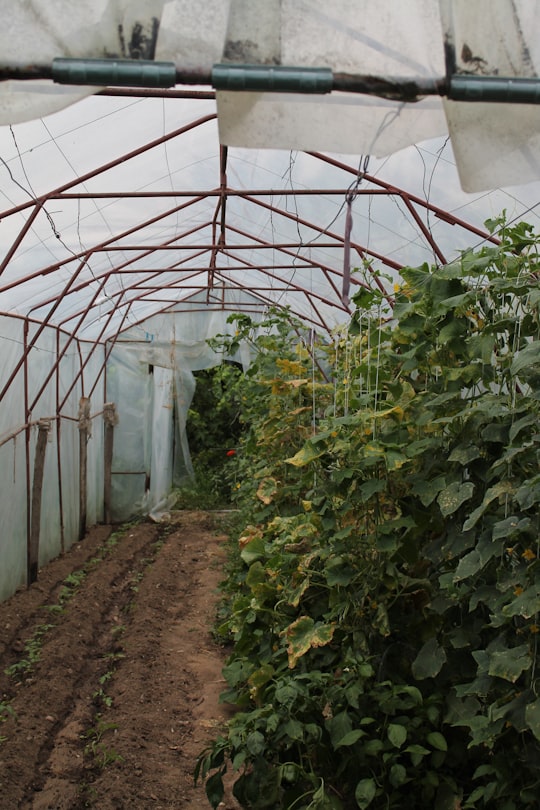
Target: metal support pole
column 44, row 427
column 85, row 431
column 110, row 419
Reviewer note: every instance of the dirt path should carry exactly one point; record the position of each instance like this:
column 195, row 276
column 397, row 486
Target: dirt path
column 114, row 676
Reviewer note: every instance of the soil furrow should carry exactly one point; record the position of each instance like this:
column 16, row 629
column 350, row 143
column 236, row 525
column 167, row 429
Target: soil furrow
column 124, row 693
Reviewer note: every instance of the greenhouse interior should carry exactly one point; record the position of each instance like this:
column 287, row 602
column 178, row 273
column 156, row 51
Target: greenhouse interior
column 331, row 208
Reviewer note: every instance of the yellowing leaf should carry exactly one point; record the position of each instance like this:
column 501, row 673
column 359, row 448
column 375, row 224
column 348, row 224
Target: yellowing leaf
column 296, row 383
column 305, row 455
column 303, row 634
column 267, row 490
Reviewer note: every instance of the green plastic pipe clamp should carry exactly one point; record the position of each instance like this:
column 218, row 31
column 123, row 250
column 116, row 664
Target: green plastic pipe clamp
column 276, row 79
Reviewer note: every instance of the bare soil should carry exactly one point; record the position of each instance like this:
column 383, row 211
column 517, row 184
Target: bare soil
column 115, row 676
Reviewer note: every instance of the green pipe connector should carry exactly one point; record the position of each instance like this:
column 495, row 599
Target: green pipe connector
column 120, row 72
column 494, row 89
column 273, row 79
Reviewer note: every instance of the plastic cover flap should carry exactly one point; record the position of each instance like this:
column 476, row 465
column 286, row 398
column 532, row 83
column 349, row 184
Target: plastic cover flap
column 494, row 144
column 354, row 36
column 34, row 32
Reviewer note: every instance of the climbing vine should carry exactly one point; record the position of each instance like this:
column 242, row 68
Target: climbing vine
column 383, row 603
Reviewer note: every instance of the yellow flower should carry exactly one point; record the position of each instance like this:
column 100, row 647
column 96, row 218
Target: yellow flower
column 528, row 554
column 533, row 628
column 518, row 590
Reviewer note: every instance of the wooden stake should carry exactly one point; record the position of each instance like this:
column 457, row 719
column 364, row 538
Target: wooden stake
column 110, row 419
column 44, row 426
column 85, row 431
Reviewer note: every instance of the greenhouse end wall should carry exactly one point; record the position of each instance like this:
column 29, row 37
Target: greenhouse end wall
column 150, row 379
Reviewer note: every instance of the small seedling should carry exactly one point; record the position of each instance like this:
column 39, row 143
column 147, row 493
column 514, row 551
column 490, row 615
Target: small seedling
column 96, row 748
column 32, row 652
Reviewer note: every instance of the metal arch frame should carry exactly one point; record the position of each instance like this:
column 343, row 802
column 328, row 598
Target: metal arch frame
column 218, row 245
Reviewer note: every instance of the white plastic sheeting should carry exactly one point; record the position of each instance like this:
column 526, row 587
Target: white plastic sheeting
column 60, row 505
column 495, row 144
column 37, row 31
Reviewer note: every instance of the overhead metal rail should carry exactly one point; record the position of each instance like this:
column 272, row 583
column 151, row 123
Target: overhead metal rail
column 277, row 79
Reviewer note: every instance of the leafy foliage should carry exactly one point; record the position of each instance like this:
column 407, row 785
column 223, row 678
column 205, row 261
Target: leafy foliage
column 213, row 431
column 384, row 600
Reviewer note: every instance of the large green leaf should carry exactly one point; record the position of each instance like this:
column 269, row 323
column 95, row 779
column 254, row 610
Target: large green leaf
column 214, row 789
column 468, row 565
column 451, row 498
column 365, row 792
column 526, row 604
column 464, row 454
column 437, row 741
column 496, row 491
column 509, row 664
column 526, row 357
column 532, row 717
column 429, row 661
column 427, row 489
column 397, row 734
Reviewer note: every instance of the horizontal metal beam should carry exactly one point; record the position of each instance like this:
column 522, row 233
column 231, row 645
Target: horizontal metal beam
column 215, row 192
column 218, row 246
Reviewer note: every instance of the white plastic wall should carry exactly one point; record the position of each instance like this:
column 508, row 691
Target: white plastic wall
column 60, row 492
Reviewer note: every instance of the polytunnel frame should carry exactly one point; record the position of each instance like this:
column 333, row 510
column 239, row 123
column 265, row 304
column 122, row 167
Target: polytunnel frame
column 219, row 243
column 211, row 279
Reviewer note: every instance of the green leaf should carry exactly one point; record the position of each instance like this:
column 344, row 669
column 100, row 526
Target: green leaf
column 339, row 727
column 253, row 550
column 365, row 792
column 519, row 424
column 350, row 738
column 428, row 489
column 256, row 574
column 429, row 661
column 496, row 491
column 509, row 526
column 509, row 664
column 369, row 488
column 436, row 740
column 528, row 493
column 526, row 357
column 396, row 734
column 339, row 572
column 532, row 717
column 468, row 565
column 527, row 604
column 464, row 454
column 451, row 498
column 398, row 775
column 214, row 789
column 255, row 743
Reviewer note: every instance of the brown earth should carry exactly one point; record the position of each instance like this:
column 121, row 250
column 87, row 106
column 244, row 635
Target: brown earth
column 115, row 675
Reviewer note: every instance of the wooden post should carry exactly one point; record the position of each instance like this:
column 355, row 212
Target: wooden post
column 110, row 419
column 44, row 426
column 85, row 431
